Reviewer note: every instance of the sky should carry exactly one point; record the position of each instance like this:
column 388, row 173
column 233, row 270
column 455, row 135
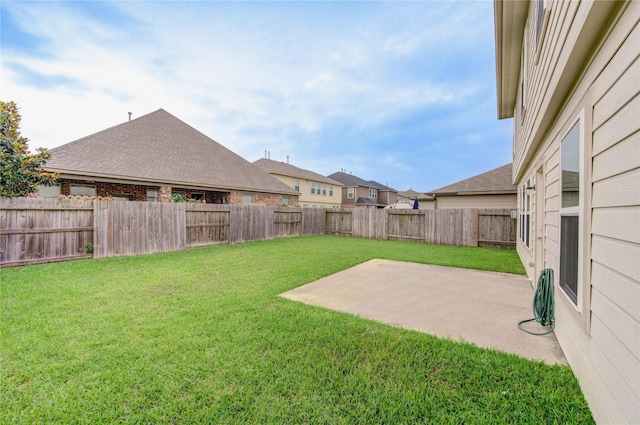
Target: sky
column 403, row 93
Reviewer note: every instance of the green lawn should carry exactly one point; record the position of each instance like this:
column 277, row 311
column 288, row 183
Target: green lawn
column 200, row 336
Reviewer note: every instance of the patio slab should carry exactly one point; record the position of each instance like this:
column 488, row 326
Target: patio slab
column 474, row 306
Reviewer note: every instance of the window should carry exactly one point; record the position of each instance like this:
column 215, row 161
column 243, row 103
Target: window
column 330, row 190
column 542, row 16
column 523, row 76
column 49, row 191
column 350, row 192
column 373, row 193
column 82, row 190
column 152, row 195
column 179, row 196
column 247, row 198
column 539, row 17
column 313, row 188
column 296, row 184
column 286, row 200
column 197, row 196
column 123, row 196
column 324, row 189
column 524, row 228
column 570, row 213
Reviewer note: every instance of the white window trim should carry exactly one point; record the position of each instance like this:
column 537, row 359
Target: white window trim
column 541, row 31
column 351, row 192
column 575, row 211
column 524, row 212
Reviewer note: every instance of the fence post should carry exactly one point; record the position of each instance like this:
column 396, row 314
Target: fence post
column 470, row 226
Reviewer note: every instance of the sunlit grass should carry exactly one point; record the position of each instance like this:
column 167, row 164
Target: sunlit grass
column 200, row 336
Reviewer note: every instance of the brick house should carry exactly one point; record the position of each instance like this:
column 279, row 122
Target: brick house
column 157, row 157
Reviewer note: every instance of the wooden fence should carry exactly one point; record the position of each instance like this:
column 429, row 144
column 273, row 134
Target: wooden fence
column 468, row 227
column 41, row 230
column 442, row 227
column 34, row 230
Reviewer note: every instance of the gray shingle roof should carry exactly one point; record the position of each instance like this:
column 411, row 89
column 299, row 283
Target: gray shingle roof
column 350, row 180
column 276, row 167
column 498, row 180
column 368, row 202
column 412, row 194
column 159, row 148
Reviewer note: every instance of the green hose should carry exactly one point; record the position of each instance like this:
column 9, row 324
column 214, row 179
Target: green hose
column 542, row 303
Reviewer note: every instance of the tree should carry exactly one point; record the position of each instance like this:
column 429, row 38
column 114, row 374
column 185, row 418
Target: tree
column 21, row 172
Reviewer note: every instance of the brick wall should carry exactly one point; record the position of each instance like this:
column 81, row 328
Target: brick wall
column 139, row 193
column 103, row 189
column 261, row 199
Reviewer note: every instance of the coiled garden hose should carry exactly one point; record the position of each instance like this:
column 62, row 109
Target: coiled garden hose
column 542, row 303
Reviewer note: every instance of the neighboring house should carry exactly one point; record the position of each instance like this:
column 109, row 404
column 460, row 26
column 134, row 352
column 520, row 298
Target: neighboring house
column 315, row 189
column 425, row 202
column 364, row 193
column 491, row 190
column 155, row 157
column 568, row 74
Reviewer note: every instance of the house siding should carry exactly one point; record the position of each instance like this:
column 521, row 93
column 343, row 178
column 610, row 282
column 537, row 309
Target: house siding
column 601, row 341
column 306, row 198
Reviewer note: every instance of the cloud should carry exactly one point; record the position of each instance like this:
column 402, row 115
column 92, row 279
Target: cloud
column 361, row 85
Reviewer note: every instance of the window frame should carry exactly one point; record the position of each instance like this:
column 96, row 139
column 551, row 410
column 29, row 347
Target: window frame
column 86, row 186
column 246, row 197
column 351, row 192
column 524, row 213
column 373, row 193
column 51, row 192
column 543, row 11
column 154, row 195
column 296, row 184
column 576, row 300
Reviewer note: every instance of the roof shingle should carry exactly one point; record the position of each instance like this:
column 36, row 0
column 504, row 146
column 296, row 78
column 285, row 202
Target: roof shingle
column 351, row 180
column 276, row 167
column 498, row 180
column 159, row 148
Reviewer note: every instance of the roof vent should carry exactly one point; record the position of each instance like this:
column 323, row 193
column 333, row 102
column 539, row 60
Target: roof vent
column 129, row 115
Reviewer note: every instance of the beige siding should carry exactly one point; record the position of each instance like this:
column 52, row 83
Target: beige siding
column 477, row 201
column 306, row 198
column 601, row 342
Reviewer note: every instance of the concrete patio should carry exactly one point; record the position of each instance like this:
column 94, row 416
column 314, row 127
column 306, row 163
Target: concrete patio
column 461, row 304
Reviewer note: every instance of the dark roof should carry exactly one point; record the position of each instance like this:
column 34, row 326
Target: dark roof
column 368, row 202
column 412, row 194
column 350, row 180
column 496, row 181
column 277, row 167
column 159, row 148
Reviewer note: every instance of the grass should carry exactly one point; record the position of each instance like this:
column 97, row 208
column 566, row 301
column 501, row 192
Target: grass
column 200, row 336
